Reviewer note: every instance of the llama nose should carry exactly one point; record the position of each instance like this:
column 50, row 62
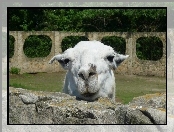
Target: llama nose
column 85, row 74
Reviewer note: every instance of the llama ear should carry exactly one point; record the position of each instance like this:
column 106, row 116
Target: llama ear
column 62, row 60
column 116, row 59
column 119, row 58
column 56, row 57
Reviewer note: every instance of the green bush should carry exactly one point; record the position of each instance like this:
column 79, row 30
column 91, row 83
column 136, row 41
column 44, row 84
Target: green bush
column 88, row 20
column 149, row 48
column 15, row 70
column 117, row 43
column 71, row 41
column 37, row 46
column 11, row 46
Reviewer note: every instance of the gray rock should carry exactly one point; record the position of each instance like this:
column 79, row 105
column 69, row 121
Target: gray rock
column 29, row 98
column 152, row 106
column 157, row 100
column 136, row 116
column 37, row 107
column 157, row 116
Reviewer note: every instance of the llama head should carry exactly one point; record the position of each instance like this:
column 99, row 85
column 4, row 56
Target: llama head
column 90, row 66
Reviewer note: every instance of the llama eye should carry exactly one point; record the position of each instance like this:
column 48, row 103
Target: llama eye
column 110, row 58
column 66, row 61
column 92, row 73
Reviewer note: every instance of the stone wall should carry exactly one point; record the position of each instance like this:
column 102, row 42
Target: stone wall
column 133, row 65
column 38, row 107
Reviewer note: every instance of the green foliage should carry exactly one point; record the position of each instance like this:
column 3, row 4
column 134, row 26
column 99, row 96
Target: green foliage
column 117, row 43
column 71, row 41
column 17, row 85
column 88, row 20
column 149, row 48
column 11, row 46
column 37, row 46
column 15, row 70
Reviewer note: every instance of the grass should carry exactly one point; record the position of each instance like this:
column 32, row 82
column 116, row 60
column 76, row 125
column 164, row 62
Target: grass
column 127, row 86
column 52, row 82
column 130, row 86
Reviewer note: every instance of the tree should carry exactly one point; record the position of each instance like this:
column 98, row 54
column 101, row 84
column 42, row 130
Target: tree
column 88, row 20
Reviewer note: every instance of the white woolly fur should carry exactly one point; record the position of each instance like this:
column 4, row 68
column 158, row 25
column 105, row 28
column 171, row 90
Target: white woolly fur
column 90, row 66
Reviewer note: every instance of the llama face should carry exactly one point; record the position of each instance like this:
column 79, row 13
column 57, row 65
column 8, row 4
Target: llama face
column 90, row 66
